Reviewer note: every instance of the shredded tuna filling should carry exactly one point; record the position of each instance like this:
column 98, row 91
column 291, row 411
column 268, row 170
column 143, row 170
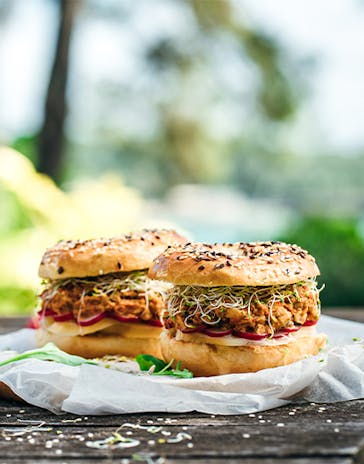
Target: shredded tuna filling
column 126, row 295
column 261, row 310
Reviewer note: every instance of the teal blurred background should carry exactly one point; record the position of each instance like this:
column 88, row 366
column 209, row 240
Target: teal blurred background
column 229, row 120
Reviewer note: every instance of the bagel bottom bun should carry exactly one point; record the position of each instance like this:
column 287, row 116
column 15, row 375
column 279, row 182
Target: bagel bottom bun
column 205, row 359
column 97, row 345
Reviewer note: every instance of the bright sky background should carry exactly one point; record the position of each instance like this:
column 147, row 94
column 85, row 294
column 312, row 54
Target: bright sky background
column 329, row 31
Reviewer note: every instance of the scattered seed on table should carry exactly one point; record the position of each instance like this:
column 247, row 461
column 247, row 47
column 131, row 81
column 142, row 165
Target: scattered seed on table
column 280, row 424
column 246, row 435
column 190, row 445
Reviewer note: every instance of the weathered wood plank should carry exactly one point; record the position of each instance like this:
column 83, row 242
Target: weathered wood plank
column 9, row 324
column 310, row 460
column 215, row 441
column 293, row 440
column 352, row 314
column 12, row 413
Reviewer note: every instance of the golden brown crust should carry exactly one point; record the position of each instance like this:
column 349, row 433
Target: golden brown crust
column 254, row 264
column 98, row 345
column 126, row 253
column 206, row 360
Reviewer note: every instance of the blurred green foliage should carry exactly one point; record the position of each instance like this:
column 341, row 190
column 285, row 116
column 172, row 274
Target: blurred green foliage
column 35, row 214
column 216, row 101
column 339, row 251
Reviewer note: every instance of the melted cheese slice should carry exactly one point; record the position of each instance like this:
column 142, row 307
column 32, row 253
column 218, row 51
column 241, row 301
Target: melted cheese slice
column 106, row 326
column 230, row 340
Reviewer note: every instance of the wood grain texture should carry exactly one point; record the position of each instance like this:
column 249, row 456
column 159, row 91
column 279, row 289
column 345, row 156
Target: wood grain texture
column 311, row 433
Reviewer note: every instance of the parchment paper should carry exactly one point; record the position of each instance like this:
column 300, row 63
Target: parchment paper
column 336, row 374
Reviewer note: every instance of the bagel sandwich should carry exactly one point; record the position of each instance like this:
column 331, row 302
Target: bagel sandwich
column 97, row 298
column 238, row 307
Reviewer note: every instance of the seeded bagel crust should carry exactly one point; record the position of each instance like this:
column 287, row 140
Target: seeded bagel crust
column 125, row 253
column 254, row 264
column 205, row 359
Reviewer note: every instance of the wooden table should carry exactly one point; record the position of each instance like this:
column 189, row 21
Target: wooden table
column 295, row 434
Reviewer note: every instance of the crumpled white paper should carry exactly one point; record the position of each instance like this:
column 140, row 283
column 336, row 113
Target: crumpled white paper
column 336, row 374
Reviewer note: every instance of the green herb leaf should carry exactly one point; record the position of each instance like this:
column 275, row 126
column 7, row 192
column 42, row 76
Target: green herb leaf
column 147, row 361
column 49, row 352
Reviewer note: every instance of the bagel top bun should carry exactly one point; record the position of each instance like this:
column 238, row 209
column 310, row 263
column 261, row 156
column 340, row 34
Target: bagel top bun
column 130, row 252
column 228, row 264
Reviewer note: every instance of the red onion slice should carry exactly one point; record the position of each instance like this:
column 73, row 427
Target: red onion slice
column 309, row 323
column 154, row 322
column 288, row 330
column 217, row 333
column 124, row 318
column 250, row 335
column 189, row 330
column 63, row 317
column 46, row 313
column 33, row 323
column 91, row 320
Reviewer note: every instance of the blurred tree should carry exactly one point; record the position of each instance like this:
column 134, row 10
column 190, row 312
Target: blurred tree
column 5, row 6
column 195, row 94
column 51, row 139
column 275, row 93
column 188, row 150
